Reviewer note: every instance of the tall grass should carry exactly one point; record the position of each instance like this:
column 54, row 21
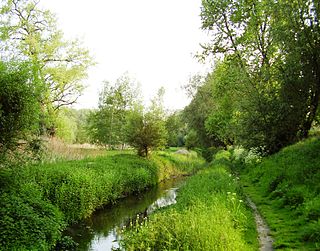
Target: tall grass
column 38, row 201
column 286, row 188
column 57, row 150
column 209, row 215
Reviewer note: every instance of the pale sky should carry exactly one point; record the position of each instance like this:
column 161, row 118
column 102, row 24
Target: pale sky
column 154, row 41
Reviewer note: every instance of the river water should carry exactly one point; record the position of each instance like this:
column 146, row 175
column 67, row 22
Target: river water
column 99, row 232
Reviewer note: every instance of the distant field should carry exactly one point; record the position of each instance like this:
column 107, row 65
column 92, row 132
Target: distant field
column 58, row 150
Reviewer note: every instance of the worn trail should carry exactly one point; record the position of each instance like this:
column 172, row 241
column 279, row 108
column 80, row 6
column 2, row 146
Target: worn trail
column 263, row 230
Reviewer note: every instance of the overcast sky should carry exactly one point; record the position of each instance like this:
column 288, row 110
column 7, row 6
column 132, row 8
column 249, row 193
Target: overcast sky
column 154, row 41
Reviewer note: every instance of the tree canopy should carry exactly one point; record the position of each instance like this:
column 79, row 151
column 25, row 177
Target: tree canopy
column 30, row 33
column 264, row 92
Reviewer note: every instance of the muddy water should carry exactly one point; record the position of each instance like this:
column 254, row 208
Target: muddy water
column 99, row 232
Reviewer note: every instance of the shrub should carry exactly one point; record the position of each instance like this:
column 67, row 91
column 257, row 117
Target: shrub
column 28, row 221
column 223, row 154
column 19, row 106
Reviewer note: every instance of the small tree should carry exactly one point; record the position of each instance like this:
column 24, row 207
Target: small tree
column 146, row 131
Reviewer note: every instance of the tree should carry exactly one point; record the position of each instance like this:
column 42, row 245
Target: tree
column 66, row 125
column 276, row 45
column 196, row 113
column 29, row 33
column 19, row 107
column 115, row 102
column 146, row 130
column 176, row 129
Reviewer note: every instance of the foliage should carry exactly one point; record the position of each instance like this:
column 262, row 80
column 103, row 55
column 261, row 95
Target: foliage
column 286, row 186
column 30, row 33
column 196, row 113
column 19, row 107
column 66, row 126
column 38, row 201
column 146, row 130
column 209, row 215
column 265, row 93
column 72, row 125
column 108, row 124
column 191, row 139
column 28, row 221
column 176, row 129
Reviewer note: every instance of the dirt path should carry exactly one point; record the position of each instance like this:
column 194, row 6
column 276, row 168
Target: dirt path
column 265, row 239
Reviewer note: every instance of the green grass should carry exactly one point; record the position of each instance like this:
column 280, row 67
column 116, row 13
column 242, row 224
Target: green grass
column 38, row 201
column 286, row 189
column 209, row 215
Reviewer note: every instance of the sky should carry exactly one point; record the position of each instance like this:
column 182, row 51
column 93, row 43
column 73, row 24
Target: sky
column 153, row 41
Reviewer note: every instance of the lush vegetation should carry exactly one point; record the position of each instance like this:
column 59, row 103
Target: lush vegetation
column 261, row 95
column 18, row 105
column 210, row 214
column 264, row 89
column 286, row 188
column 38, row 201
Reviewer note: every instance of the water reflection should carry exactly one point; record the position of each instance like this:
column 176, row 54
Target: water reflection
column 99, row 231
column 168, row 199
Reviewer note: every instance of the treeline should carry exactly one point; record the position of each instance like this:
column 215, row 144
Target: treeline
column 122, row 119
column 42, row 74
column 264, row 90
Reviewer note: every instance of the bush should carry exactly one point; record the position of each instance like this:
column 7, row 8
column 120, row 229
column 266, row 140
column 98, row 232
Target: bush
column 19, row 104
column 223, row 154
column 28, row 221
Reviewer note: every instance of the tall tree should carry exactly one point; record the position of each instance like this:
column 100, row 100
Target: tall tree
column 115, row 102
column 276, row 43
column 30, row 33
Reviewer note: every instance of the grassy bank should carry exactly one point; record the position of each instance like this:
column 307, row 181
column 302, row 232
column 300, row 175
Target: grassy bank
column 286, row 189
column 209, row 215
column 38, row 201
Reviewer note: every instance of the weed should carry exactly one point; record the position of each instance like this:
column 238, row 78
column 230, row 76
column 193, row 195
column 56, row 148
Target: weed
column 209, row 215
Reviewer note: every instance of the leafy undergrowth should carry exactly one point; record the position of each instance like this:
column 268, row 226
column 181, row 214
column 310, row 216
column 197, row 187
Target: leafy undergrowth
column 286, row 189
column 209, row 215
column 38, row 201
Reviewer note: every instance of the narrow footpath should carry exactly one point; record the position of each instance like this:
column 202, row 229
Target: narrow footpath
column 265, row 240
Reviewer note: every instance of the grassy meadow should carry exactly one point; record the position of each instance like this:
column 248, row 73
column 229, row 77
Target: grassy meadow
column 211, row 214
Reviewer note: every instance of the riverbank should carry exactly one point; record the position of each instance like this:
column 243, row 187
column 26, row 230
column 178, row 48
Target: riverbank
column 210, row 214
column 39, row 201
column 286, row 189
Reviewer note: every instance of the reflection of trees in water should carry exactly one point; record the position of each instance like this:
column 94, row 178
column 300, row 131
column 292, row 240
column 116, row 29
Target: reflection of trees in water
column 167, row 200
column 103, row 223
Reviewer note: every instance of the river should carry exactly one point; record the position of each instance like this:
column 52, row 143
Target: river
column 99, row 232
